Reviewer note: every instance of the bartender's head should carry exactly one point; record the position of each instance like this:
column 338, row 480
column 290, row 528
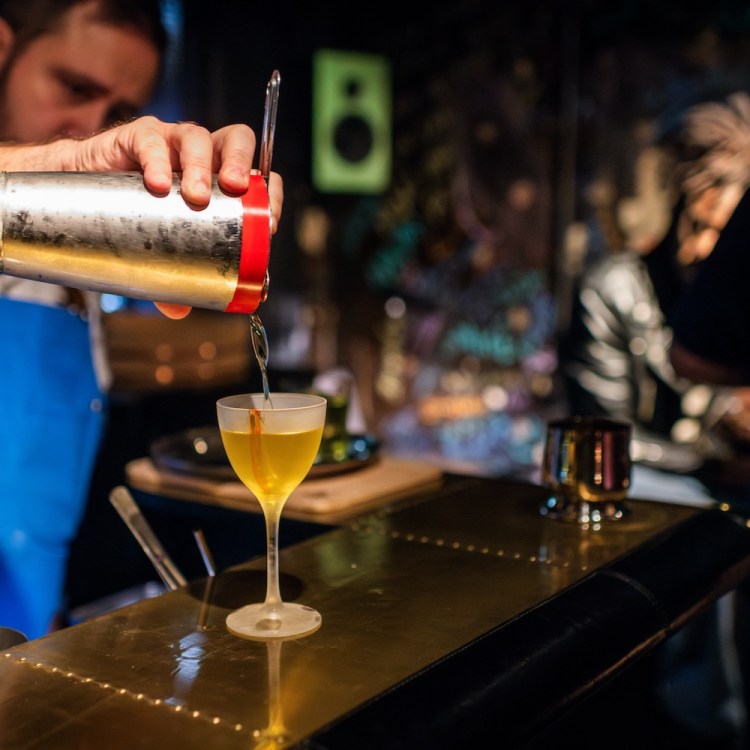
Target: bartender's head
column 72, row 67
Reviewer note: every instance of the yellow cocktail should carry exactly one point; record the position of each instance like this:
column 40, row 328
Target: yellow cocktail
column 271, row 465
column 271, row 444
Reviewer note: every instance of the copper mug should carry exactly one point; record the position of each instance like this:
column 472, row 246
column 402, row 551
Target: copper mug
column 587, row 466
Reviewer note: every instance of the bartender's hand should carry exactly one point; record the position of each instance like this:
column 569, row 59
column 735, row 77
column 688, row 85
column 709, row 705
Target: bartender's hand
column 157, row 149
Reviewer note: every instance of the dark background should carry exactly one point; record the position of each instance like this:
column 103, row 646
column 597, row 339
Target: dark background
column 564, row 87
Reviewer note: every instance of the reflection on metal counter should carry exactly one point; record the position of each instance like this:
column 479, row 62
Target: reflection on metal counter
column 465, row 580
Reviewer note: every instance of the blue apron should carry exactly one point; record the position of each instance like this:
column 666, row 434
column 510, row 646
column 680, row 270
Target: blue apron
column 51, row 420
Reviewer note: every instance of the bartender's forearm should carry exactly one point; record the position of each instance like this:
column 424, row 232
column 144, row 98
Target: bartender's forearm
column 37, row 157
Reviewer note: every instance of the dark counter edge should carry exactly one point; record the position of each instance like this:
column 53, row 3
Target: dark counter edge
column 517, row 679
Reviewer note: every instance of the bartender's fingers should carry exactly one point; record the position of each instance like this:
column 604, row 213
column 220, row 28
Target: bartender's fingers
column 176, row 312
column 191, row 152
column 158, row 149
column 234, row 146
column 140, row 144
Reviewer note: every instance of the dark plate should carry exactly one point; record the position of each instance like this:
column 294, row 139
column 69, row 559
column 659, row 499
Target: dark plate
column 199, row 452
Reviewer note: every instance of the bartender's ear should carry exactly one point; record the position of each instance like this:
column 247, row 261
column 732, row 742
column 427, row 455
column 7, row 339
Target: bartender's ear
column 7, row 38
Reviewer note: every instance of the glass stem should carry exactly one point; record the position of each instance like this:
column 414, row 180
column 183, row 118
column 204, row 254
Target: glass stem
column 272, row 513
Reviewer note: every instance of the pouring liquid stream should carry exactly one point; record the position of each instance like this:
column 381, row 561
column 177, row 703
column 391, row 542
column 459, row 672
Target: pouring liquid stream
column 260, row 349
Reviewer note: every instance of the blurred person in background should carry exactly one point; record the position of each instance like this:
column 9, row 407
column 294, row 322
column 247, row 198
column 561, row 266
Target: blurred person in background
column 69, row 68
column 712, row 344
column 689, row 440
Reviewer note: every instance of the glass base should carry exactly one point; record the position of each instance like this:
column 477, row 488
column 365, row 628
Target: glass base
column 562, row 508
column 260, row 622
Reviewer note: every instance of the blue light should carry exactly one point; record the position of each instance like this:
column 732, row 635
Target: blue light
column 112, row 303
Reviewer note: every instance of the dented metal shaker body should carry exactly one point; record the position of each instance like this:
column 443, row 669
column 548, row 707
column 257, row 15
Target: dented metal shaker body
column 106, row 232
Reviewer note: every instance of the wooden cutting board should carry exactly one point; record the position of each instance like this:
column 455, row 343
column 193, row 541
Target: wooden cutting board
column 329, row 499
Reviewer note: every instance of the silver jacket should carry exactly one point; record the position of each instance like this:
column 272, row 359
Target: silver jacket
column 615, row 363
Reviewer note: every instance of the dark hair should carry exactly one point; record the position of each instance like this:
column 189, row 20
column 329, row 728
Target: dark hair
column 30, row 19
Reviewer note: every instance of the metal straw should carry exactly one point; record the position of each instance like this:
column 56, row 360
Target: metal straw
column 129, row 511
column 208, row 559
column 269, row 123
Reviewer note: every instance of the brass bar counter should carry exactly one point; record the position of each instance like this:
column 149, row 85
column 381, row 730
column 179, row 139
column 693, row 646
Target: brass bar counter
column 455, row 615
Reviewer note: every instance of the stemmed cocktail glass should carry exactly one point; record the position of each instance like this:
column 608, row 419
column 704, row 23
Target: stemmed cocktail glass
column 271, row 444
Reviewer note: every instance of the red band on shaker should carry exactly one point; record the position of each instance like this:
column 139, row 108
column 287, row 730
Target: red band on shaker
column 256, row 247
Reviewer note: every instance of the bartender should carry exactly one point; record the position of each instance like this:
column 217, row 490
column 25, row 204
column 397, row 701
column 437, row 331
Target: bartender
column 69, row 69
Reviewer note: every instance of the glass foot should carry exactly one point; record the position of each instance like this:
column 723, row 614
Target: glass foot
column 260, row 622
column 561, row 508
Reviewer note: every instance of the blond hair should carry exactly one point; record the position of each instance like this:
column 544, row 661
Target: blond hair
column 718, row 133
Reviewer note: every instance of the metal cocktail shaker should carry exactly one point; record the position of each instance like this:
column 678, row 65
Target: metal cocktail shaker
column 106, row 232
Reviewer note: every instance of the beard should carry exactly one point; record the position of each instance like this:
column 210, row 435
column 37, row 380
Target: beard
column 7, row 129
column 4, row 113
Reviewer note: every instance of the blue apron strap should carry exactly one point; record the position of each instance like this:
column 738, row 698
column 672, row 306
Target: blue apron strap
column 51, row 422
